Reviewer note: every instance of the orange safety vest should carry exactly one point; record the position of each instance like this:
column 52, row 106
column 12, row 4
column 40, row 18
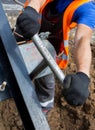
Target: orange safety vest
column 67, row 26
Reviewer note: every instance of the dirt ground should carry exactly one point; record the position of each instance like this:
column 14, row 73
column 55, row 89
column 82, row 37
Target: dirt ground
column 63, row 116
column 66, row 117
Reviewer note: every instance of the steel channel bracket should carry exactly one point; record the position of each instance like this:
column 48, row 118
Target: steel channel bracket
column 19, row 85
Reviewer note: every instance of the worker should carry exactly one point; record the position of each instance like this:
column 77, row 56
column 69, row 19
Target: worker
column 59, row 17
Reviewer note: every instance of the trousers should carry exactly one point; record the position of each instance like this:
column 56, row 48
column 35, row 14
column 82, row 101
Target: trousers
column 45, row 89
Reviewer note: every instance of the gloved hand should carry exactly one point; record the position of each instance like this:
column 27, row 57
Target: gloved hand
column 75, row 88
column 28, row 22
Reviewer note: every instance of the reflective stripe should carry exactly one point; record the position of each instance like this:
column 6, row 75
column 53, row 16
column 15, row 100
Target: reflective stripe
column 44, row 104
column 65, row 57
column 65, row 43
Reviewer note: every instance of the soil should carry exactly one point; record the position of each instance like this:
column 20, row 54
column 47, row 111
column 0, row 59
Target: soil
column 63, row 116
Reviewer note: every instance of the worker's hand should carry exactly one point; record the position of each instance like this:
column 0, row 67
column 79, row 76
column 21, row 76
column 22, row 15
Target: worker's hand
column 28, row 22
column 75, row 88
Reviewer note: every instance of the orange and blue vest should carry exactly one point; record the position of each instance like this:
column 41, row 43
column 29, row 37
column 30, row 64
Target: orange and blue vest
column 67, row 25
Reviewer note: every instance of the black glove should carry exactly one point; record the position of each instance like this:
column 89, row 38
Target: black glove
column 75, row 88
column 28, row 22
